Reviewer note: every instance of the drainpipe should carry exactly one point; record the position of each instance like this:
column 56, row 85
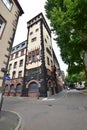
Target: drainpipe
column 43, row 67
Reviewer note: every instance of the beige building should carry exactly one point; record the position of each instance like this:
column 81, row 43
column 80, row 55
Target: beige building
column 40, row 70
column 10, row 10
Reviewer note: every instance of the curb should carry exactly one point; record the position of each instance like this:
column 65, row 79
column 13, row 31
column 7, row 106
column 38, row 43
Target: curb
column 19, row 121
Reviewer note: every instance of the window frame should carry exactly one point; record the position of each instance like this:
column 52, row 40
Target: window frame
column 20, row 74
column 8, row 4
column 21, row 63
column 16, row 54
column 13, row 74
column 22, row 52
column 10, row 66
column 15, row 65
column 2, row 26
column 48, row 61
column 34, row 39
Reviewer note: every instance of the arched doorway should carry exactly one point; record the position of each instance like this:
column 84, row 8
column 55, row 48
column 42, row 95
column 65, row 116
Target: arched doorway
column 12, row 90
column 19, row 89
column 33, row 89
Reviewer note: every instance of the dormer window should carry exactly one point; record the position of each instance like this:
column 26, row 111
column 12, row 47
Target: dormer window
column 8, row 3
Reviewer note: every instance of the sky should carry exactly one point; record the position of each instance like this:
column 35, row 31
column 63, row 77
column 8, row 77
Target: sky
column 32, row 8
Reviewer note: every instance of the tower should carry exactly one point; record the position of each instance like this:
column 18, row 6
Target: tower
column 37, row 70
column 39, row 54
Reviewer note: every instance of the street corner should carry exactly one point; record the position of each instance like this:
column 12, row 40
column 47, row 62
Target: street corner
column 9, row 120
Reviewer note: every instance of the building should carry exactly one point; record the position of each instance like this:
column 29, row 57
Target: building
column 10, row 10
column 41, row 69
column 16, row 69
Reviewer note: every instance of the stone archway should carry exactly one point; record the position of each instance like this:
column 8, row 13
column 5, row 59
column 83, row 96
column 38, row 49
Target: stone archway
column 19, row 88
column 12, row 90
column 33, row 88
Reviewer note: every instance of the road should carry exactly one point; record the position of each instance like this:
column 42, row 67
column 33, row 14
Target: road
column 66, row 112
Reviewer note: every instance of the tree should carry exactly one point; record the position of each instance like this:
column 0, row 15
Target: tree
column 69, row 21
column 76, row 77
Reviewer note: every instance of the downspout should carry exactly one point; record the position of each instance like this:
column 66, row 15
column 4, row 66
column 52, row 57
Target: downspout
column 43, row 67
column 25, row 91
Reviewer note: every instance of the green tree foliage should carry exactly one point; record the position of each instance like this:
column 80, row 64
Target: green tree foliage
column 69, row 21
column 76, row 77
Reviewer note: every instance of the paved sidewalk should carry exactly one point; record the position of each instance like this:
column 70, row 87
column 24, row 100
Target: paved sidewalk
column 9, row 120
column 56, row 96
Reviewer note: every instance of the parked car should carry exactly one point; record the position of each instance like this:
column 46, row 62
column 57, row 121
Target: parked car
column 80, row 87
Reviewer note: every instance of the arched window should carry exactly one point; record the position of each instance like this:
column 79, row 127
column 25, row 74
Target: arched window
column 12, row 88
column 19, row 88
column 33, row 87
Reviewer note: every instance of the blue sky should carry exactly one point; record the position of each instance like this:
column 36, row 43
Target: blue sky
column 31, row 8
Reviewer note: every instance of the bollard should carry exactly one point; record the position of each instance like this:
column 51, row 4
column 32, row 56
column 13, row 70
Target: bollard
column 48, row 93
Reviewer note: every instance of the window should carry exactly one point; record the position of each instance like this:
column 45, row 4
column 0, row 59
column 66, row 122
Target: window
column 15, row 64
column 17, row 47
column 33, row 87
column 2, row 25
column 8, row 3
column 20, row 74
column 22, row 44
column 51, row 63
column 13, row 49
column 48, row 51
column 48, row 62
column 21, row 63
column 37, row 30
column 12, row 88
column 45, row 40
column 14, row 74
column 22, row 52
column 37, row 57
column 16, row 55
column 33, row 58
column 30, row 60
column 11, row 57
column 19, row 88
column 31, row 33
column 10, row 66
column 33, row 39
